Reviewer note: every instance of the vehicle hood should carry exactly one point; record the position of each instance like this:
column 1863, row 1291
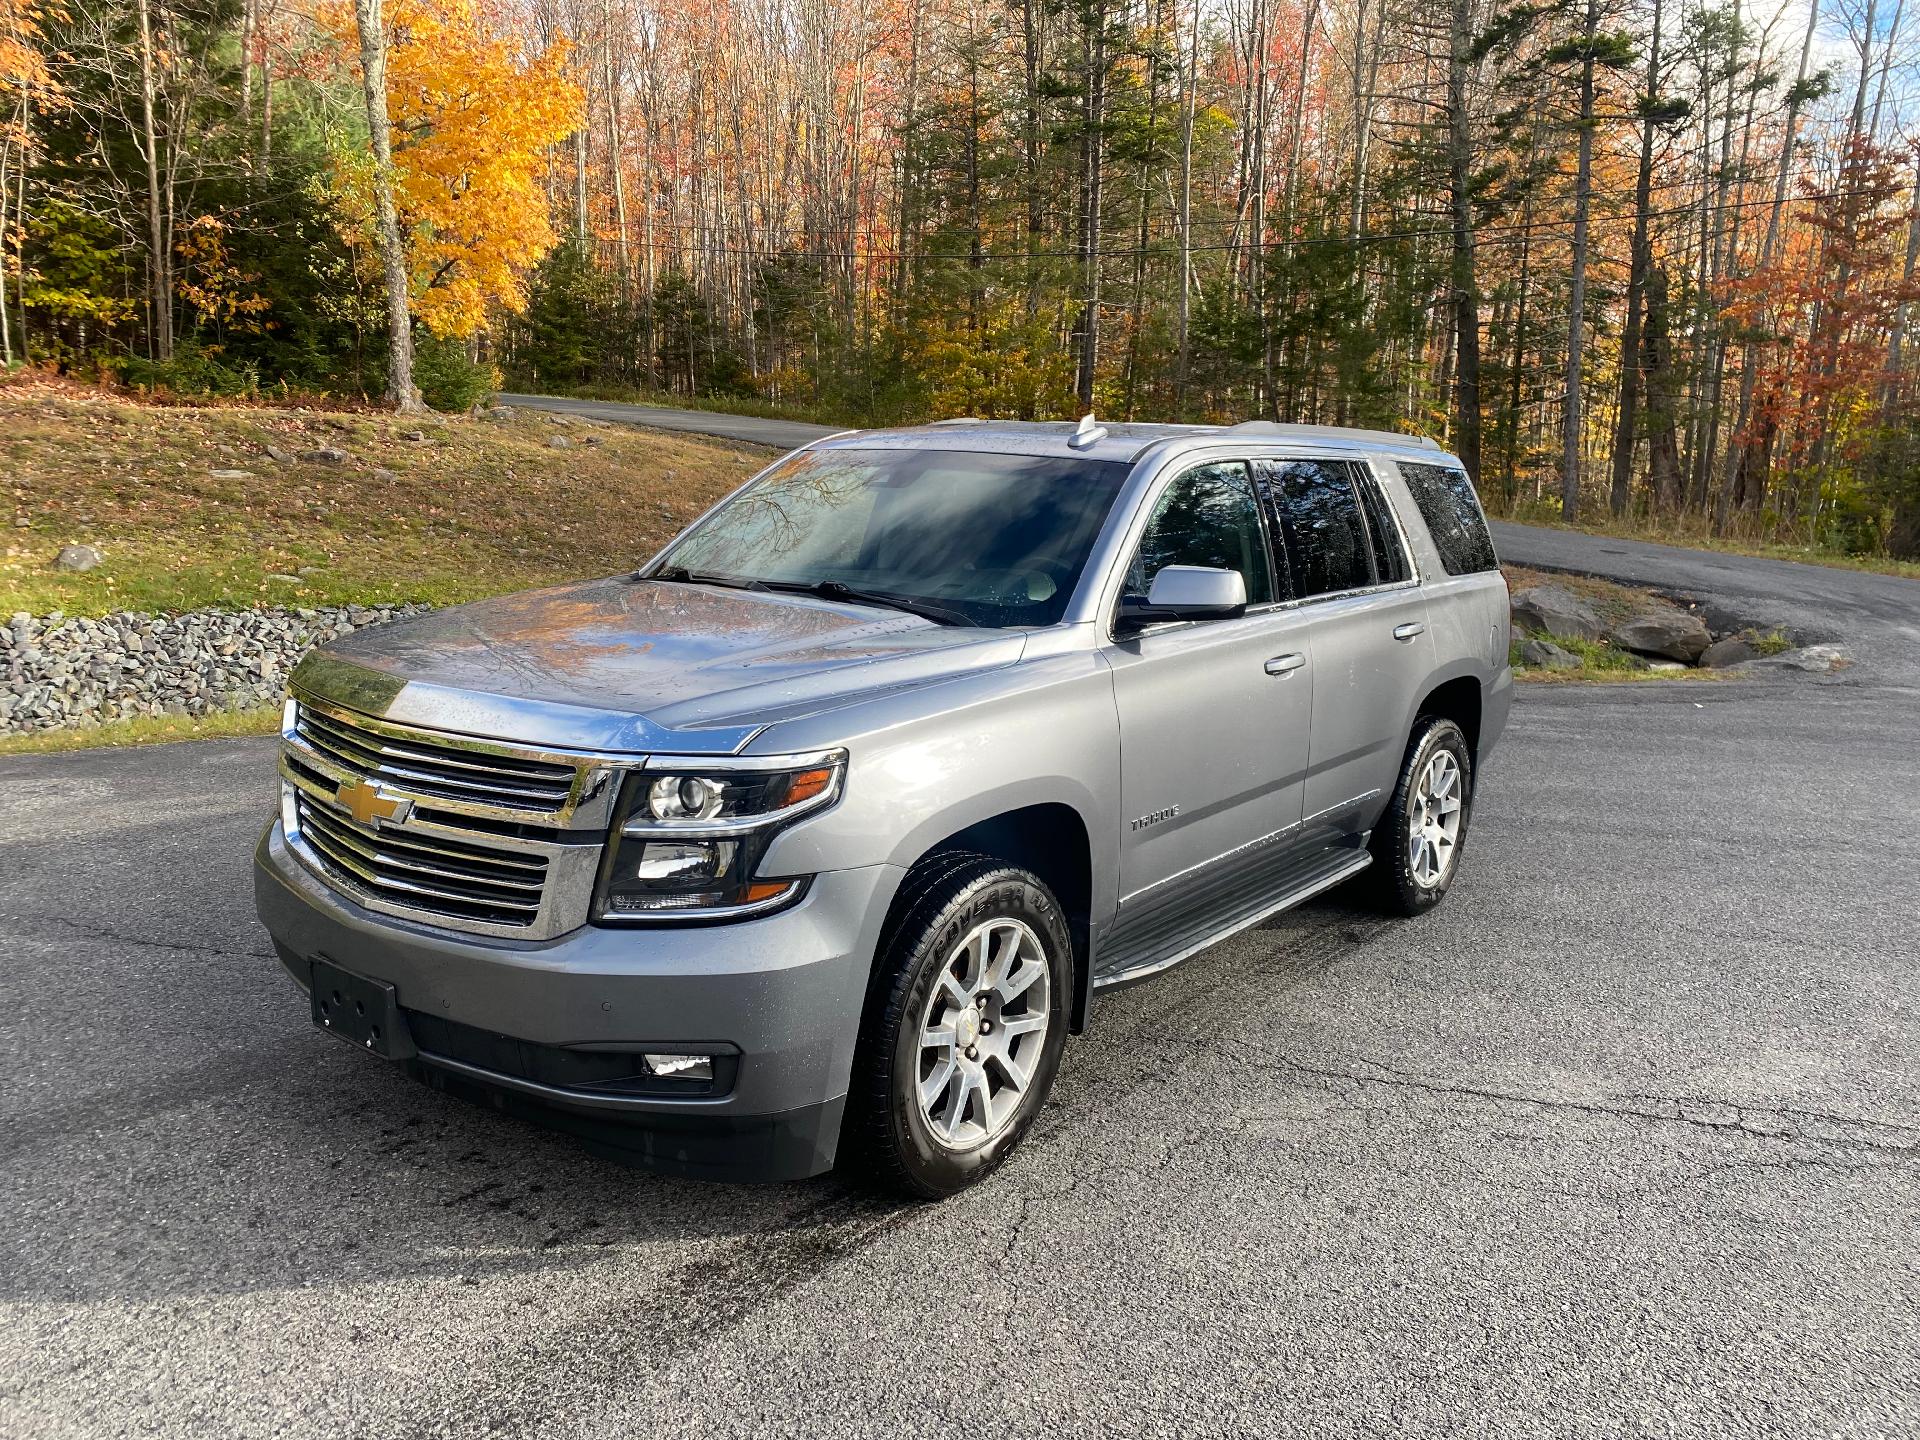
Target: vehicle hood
column 630, row 664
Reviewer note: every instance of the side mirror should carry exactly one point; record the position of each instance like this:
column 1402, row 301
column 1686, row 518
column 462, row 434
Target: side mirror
column 1187, row 592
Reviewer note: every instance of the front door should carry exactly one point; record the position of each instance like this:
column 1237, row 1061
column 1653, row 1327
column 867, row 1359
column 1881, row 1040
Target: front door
column 1214, row 723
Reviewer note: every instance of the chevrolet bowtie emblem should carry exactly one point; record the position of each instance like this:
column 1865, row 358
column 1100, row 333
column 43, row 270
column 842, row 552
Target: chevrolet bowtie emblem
column 371, row 805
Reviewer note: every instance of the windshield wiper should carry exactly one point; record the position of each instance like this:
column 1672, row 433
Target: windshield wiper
column 839, row 590
column 680, row 575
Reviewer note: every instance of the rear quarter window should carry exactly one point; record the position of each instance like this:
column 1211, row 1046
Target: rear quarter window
column 1447, row 503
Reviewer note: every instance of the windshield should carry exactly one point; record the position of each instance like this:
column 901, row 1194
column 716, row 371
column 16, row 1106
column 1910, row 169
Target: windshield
column 985, row 539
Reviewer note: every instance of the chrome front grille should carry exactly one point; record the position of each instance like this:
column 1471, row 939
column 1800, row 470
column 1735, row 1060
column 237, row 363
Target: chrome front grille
column 424, row 766
column 436, row 873
column 445, row 829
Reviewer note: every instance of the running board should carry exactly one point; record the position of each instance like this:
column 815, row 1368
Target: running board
column 1300, row 896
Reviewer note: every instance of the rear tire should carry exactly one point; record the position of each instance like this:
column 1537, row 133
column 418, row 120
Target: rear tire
column 1416, row 845
column 965, row 1025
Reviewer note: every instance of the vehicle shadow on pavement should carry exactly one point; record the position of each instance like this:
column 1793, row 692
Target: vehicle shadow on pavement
column 299, row 1164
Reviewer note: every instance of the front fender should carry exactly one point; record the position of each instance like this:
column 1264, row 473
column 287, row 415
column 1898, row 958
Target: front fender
column 1044, row 731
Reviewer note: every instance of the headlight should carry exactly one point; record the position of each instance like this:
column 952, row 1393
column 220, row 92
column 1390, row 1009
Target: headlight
column 687, row 840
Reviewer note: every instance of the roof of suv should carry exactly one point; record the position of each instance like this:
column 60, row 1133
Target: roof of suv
column 1117, row 441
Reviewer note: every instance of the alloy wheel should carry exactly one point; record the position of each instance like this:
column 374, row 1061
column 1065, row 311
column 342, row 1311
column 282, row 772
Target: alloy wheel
column 982, row 1033
column 1433, row 820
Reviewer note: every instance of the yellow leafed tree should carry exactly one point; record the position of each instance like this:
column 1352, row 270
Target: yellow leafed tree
column 472, row 116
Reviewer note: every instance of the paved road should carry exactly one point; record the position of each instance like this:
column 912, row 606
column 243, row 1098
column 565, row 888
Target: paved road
column 747, row 429
column 1624, row 1137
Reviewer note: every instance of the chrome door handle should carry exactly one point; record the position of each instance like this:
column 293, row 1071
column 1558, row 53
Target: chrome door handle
column 1286, row 664
column 1408, row 630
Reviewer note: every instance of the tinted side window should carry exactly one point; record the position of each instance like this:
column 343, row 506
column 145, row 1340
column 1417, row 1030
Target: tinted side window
column 1389, row 554
column 1328, row 548
column 1206, row 517
column 1452, row 512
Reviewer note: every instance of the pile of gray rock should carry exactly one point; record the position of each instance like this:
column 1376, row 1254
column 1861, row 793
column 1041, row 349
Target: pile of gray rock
column 1659, row 635
column 60, row 670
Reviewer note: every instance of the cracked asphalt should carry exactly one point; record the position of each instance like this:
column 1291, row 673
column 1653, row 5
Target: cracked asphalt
column 1621, row 1139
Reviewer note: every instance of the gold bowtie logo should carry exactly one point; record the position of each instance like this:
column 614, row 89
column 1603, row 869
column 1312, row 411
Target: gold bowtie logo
column 371, row 805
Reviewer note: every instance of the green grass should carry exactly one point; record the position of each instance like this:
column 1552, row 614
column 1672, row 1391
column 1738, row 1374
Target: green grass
column 1600, row 662
column 145, row 730
column 707, row 404
column 475, row 508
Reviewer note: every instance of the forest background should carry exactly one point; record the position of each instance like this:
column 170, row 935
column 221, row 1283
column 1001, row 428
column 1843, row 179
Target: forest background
column 1649, row 263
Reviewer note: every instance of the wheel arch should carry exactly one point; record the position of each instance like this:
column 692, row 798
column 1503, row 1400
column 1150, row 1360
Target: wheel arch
column 1458, row 698
column 1051, row 839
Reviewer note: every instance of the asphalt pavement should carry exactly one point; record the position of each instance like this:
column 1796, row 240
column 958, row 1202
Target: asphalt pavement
column 1623, row 1138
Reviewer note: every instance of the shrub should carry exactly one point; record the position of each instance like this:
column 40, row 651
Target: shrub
column 193, row 370
column 446, row 378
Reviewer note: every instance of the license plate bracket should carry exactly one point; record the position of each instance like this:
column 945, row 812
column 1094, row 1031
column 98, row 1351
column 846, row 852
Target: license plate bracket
column 363, row 1012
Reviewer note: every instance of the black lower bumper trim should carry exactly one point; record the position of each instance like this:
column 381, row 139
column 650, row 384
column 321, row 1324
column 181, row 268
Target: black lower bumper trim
column 789, row 1145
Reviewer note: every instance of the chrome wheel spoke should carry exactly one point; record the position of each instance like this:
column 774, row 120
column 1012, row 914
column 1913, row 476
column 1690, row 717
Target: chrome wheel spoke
column 1434, row 813
column 935, row 1085
column 1012, row 1029
column 976, row 961
column 1013, row 986
column 1018, row 1077
column 977, row 1060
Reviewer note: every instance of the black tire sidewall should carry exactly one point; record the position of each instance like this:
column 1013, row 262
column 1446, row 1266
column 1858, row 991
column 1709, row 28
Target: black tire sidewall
column 1401, row 890
column 922, row 1164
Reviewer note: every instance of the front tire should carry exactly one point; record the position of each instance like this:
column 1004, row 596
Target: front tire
column 1416, row 846
column 965, row 1027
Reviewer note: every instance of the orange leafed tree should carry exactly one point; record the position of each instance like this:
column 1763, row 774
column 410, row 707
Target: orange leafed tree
column 472, row 120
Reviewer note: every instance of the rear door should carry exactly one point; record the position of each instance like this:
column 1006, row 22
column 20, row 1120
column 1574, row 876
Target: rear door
column 1353, row 579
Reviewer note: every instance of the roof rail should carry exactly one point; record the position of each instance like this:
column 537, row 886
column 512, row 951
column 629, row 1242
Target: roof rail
column 958, row 420
column 1277, row 428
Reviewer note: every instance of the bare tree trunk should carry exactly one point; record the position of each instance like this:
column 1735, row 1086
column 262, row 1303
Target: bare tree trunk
column 1663, row 453
column 616, row 147
column 1624, row 438
column 1750, row 476
column 580, row 186
column 1184, row 310
column 1094, row 118
column 1030, row 148
column 1464, row 283
column 1577, row 300
column 1510, row 477
column 393, row 250
column 249, row 26
column 160, row 271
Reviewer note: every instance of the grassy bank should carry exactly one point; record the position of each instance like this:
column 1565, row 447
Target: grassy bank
column 145, row 730
column 188, row 508
column 1598, row 661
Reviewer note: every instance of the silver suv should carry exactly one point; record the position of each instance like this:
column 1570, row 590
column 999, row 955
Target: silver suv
column 815, row 837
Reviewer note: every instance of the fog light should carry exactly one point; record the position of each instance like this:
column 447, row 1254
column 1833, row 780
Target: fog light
column 681, row 1067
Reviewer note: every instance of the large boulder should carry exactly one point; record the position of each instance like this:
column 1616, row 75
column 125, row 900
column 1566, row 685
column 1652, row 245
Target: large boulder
column 76, row 559
column 1555, row 610
column 1814, row 659
column 1668, row 632
column 1729, row 650
column 1545, row 655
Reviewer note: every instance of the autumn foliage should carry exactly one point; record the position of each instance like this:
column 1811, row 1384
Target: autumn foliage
column 473, row 119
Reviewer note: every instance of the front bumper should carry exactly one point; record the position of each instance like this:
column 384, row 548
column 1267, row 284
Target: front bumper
column 782, row 995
